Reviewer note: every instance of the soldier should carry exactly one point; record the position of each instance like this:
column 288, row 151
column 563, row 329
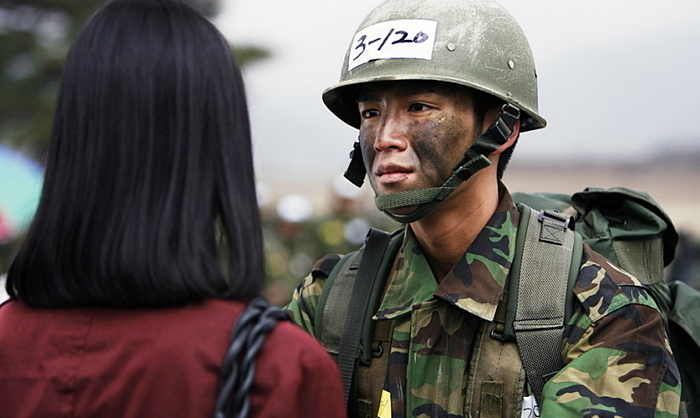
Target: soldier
column 423, row 81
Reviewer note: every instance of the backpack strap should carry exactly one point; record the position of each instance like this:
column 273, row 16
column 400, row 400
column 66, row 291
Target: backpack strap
column 546, row 252
column 350, row 298
column 375, row 246
column 334, row 302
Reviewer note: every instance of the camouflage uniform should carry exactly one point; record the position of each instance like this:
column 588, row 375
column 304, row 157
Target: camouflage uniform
column 618, row 361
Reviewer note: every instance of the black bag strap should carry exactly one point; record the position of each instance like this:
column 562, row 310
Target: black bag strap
column 376, row 244
column 238, row 368
column 547, row 259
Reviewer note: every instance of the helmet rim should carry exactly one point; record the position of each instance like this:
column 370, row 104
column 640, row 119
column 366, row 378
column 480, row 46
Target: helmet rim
column 340, row 98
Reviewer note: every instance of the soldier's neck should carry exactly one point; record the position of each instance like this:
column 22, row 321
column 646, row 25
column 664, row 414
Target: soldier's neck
column 446, row 234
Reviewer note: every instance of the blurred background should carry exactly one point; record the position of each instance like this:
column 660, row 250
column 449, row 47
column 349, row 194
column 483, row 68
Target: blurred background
column 618, row 85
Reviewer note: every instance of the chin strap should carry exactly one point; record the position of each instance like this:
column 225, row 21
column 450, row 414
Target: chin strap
column 475, row 159
column 356, row 171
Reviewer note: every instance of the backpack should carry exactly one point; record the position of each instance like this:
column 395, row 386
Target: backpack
column 627, row 227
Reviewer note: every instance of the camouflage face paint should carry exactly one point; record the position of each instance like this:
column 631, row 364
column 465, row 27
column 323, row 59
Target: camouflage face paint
column 439, row 145
column 419, row 131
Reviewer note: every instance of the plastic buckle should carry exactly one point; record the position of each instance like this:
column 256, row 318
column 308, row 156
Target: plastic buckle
column 511, row 110
column 553, row 226
column 556, row 216
column 506, row 120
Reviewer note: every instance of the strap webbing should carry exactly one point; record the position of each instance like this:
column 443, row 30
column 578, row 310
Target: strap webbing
column 426, row 199
column 376, row 244
column 542, row 293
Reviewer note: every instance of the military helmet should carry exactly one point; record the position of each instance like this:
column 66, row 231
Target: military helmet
column 475, row 43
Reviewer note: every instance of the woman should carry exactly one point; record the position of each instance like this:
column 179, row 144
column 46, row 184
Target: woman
column 146, row 244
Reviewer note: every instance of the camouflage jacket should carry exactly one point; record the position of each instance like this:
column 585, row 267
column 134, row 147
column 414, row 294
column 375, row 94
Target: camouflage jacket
column 618, row 361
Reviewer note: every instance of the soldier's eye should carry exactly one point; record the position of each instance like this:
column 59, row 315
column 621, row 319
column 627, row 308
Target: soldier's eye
column 418, row 107
column 369, row 113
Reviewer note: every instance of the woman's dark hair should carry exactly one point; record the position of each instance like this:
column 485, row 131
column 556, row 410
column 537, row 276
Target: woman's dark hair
column 149, row 196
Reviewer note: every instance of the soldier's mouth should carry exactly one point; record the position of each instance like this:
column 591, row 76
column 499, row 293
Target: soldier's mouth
column 392, row 173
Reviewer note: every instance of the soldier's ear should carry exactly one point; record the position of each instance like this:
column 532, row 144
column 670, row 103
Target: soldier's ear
column 511, row 140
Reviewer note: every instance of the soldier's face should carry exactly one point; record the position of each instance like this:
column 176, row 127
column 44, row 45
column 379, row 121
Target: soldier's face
column 413, row 133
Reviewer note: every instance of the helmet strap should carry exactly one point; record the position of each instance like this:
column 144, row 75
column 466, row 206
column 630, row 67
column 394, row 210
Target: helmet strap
column 475, row 159
column 356, row 170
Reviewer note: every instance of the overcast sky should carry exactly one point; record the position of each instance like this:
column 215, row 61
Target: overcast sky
column 616, row 77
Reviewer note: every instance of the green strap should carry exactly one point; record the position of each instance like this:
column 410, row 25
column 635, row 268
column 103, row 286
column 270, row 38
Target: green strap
column 328, row 323
column 542, row 291
column 427, row 199
column 375, row 246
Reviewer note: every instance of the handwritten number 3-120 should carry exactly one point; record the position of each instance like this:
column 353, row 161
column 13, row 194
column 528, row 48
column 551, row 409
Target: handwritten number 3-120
column 402, row 39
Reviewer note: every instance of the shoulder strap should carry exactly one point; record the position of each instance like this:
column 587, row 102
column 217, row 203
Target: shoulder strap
column 547, row 251
column 349, row 299
column 334, row 301
column 375, row 246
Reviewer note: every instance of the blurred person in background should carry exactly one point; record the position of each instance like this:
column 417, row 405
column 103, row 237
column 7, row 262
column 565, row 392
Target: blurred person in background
column 146, row 245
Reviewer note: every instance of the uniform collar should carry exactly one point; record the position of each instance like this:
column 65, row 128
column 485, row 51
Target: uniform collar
column 475, row 284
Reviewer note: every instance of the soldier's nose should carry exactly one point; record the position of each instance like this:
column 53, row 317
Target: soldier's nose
column 391, row 135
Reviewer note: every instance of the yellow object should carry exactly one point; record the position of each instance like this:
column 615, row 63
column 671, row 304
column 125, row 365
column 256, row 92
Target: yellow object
column 385, row 405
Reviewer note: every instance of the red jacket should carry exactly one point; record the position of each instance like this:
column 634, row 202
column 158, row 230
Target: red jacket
column 101, row 362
